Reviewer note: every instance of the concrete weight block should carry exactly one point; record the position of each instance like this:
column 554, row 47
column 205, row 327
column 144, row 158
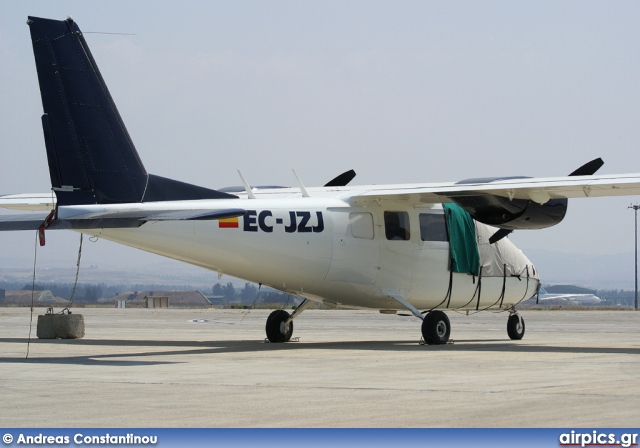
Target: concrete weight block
column 45, row 327
column 63, row 326
column 68, row 326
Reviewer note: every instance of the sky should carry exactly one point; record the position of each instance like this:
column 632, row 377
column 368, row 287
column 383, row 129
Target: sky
column 402, row 91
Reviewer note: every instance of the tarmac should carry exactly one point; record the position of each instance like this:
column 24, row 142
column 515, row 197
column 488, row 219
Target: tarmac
column 212, row 368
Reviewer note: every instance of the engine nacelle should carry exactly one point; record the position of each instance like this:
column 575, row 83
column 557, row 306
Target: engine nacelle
column 511, row 214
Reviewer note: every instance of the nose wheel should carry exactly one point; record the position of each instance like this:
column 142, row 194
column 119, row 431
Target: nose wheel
column 280, row 323
column 436, row 328
column 515, row 326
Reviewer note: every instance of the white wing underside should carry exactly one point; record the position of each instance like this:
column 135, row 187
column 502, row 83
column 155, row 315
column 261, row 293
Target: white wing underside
column 539, row 190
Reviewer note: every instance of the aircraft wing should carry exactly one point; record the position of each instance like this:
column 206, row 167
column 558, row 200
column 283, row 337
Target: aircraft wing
column 537, row 189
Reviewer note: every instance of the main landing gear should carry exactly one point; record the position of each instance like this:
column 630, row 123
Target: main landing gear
column 280, row 323
column 436, row 327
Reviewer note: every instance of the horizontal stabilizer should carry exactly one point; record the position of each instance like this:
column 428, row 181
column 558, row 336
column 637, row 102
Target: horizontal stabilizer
column 34, row 202
column 197, row 215
column 117, row 219
column 29, row 221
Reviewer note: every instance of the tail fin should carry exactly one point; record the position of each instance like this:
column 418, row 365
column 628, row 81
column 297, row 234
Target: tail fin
column 92, row 159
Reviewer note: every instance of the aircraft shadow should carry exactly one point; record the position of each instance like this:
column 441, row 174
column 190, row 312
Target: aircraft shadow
column 200, row 348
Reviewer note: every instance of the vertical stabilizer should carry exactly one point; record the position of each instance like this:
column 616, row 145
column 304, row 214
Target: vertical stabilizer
column 92, row 159
column 91, row 156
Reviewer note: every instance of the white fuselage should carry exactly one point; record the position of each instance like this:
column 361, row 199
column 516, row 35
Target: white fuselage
column 325, row 249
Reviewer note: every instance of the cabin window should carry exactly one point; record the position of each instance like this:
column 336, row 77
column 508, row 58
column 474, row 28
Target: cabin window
column 433, row 227
column 361, row 225
column 396, row 225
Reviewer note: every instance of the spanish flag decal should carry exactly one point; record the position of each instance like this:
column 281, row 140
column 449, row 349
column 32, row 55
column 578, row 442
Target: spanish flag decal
column 229, row 223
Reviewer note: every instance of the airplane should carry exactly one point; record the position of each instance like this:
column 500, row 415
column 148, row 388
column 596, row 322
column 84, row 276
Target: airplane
column 424, row 248
column 571, row 299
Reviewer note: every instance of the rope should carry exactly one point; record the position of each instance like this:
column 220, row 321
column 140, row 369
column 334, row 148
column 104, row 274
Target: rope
column 479, row 288
column 526, row 290
column 75, row 284
column 447, row 296
column 288, row 299
column 254, row 302
column 502, row 293
column 504, row 284
column 475, row 292
column 33, row 287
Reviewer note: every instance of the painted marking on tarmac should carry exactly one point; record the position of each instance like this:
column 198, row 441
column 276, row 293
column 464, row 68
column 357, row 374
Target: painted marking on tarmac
column 209, row 322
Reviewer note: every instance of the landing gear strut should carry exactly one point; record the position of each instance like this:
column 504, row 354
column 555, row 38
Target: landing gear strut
column 515, row 326
column 436, row 328
column 279, row 326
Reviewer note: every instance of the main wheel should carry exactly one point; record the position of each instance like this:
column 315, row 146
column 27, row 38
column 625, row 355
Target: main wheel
column 515, row 327
column 277, row 328
column 436, row 328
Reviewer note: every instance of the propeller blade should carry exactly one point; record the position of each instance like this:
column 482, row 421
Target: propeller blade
column 588, row 168
column 501, row 233
column 342, row 180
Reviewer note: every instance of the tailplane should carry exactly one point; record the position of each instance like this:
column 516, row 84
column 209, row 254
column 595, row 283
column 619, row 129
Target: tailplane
column 92, row 159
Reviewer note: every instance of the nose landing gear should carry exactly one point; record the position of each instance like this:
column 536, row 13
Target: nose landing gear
column 279, row 326
column 515, row 326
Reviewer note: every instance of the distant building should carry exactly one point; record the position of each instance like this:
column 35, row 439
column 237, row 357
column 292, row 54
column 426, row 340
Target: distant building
column 2, row 295
column 218, row 300
column 40, row 298
column 156, row 301
column 162, row 299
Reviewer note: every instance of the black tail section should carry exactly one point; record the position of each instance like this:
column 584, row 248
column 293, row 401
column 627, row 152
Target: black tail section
column 92, row 159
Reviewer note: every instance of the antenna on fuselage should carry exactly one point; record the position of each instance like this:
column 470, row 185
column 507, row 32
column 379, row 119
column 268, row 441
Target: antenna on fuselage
column 303, row 190
column 246, row 186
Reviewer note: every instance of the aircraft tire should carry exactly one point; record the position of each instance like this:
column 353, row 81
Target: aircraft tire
column 276, row 331
column 436, row 328
column 514, row 329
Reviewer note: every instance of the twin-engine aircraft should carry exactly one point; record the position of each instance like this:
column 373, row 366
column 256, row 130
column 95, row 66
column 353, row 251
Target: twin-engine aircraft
column 424, row 248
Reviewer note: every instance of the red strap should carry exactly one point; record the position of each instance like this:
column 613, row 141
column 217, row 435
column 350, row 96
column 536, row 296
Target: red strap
column 44, row 225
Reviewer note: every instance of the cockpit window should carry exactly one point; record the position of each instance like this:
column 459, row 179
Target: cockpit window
column 433, row 227
column 361, row 225
column 396, row 225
